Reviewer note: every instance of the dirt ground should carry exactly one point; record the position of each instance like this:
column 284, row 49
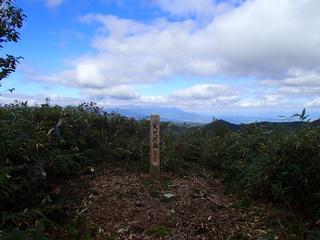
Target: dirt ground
column 124, row 205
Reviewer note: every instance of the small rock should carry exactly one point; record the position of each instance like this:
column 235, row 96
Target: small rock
column 168, row 195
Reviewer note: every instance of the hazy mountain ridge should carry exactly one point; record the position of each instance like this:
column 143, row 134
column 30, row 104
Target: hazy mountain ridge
column 180, row 116
column 166, row 114
column 264, row 124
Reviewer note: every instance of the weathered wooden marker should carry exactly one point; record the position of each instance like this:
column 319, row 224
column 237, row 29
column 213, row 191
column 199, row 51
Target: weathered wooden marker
column 155, row 147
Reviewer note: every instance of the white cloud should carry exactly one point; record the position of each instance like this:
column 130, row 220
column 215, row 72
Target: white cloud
column 53, row 3
column 121, row 92
column 60, row 100
column 268, row 37
column 206, row 98
column 271, row 100
column 262, row 39
column 204, row 92
column 302, row 83
column 217, row 96
column 314, row 102
column 307, row 79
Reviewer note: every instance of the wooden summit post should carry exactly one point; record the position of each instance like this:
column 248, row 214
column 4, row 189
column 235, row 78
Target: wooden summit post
column 155, row 147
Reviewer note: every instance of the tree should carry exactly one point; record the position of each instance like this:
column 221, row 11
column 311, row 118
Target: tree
column 11, row 19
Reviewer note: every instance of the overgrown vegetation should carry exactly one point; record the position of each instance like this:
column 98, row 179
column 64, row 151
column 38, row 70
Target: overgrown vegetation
column 43, row 146
column 277, row 164
column 272, row 163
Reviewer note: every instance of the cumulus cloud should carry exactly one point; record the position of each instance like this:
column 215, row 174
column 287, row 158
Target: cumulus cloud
column 267, row 38
column 302, row 83
column 118, row 92
column 60, row 100
column 204, row 91
column 314, row 102
column 204, row 96
column 219, row 96
column 271, row 100
column 260, row 39
column 208, row 98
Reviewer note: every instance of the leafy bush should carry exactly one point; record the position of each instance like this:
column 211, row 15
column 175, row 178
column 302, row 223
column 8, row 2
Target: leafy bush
column 40, row 146
column 275, row 162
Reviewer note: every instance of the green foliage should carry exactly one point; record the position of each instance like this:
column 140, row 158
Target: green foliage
column 41, row 146
column 11, row 19
column 274, row 163
column 34, row 233
column 302, row 116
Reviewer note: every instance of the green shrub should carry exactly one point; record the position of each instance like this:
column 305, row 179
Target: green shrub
column 275, row 163
column 43, row 145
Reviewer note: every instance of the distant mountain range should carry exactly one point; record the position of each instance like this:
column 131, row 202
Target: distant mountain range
column 236, row 127
column 166, row 114
column 180, row 116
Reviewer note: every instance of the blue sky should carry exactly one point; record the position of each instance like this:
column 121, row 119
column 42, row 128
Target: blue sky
column 230, row 57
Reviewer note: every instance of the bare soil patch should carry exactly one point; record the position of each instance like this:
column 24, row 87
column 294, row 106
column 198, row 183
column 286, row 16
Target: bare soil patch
column 126, row 205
